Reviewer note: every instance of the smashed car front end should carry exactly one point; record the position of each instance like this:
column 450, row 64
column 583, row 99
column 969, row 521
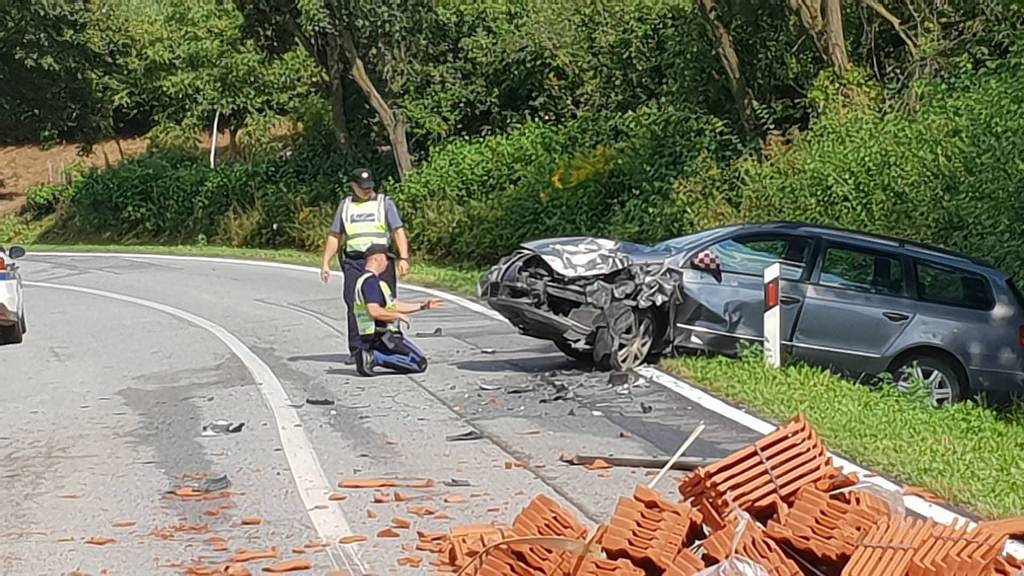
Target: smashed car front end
column 566, row 290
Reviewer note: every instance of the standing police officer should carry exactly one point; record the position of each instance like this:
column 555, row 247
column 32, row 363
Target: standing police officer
column 364, row 219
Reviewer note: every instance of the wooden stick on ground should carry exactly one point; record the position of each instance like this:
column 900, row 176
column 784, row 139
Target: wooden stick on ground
column 668, row 466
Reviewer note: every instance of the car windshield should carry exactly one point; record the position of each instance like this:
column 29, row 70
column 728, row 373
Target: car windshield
column 687, row 242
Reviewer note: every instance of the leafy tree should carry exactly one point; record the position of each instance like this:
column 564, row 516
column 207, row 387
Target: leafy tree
column 48, row 73
column 181, row 61
column 339, row 35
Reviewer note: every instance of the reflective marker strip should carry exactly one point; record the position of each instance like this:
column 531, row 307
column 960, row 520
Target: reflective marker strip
column 772, row 316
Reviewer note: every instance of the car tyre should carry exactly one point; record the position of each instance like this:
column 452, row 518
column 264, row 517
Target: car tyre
column 937, row 373
column 12, row 334
column 633, row 347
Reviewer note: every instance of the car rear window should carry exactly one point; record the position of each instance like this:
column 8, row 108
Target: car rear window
column 953, row 286
column 863, row 271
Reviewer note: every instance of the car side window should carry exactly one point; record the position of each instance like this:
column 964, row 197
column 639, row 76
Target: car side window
column 752, row 255
column 863, row 271
column 952, row 286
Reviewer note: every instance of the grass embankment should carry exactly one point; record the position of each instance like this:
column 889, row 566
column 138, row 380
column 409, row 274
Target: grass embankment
column 967, row 454
column 970, row 455
column 462, row 281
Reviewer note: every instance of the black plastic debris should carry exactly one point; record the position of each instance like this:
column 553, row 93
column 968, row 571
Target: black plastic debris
column 466, row 436
column 216, row 484
column 457, row 483
column 616, row 379
column 437, row 332
column 646, row 408
column 320, row 401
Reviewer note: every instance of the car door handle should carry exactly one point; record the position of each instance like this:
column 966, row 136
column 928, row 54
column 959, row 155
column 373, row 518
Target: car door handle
column 896, row 316
column 789, row 300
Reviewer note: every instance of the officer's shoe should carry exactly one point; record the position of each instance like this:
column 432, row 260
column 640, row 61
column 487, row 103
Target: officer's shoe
column 365, row 362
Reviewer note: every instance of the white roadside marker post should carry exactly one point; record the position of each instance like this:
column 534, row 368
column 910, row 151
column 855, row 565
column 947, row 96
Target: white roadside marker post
column 772, row 316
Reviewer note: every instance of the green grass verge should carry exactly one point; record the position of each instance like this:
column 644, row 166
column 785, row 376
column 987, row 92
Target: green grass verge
column 967, row 454
column 462, row 281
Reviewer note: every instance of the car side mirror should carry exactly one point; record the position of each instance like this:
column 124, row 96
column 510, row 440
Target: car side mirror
column 16, row 252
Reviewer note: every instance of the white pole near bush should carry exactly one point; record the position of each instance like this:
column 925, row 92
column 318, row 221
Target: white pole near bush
column 213, row 139
column 772, row 315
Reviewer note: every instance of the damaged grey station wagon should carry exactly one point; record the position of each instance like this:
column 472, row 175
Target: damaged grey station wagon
column 855, row 303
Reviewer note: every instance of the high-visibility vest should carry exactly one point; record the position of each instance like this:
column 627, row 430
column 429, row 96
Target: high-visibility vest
column 366, row 324
column 365, row 223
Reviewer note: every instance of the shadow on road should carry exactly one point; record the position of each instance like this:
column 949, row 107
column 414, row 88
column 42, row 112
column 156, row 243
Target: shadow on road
column 328, row 358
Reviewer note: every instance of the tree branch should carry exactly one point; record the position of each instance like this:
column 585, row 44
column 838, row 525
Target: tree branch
column 394, row 122
column 874, row 5
column 730, row 62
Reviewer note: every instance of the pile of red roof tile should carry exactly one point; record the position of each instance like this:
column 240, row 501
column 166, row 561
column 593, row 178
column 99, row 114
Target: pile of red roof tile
column 780, row 504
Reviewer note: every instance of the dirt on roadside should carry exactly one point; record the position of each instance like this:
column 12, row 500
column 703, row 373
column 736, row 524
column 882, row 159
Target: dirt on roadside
column 22, row 167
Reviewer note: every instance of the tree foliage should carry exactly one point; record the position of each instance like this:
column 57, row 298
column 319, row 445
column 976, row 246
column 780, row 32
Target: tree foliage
column 48, row 72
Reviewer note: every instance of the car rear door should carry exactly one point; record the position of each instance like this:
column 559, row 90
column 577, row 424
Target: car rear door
column 720, row 311
column 855, row 307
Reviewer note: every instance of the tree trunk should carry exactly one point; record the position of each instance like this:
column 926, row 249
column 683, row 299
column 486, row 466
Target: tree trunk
column 826, row 30
column 336, row 75
column 393, row 121
column 731, row 63
column 834, row 36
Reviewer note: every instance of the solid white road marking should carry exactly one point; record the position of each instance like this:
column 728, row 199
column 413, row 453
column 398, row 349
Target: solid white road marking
column 681, row 387
column 465, row 303
column 309, row 476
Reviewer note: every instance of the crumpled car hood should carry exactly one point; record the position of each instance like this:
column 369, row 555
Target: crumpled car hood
column 581, row 257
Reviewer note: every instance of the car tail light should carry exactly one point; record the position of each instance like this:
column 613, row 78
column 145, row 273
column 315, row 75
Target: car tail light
column 3, row 265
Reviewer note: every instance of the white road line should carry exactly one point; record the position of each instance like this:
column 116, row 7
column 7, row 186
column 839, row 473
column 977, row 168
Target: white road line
column 465, row 303
column 684, row 389
column 309, row 476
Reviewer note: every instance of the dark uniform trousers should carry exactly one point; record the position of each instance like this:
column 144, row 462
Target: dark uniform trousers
column 353, row 268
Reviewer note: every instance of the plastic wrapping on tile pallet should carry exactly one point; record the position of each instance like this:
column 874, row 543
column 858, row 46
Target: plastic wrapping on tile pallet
column 734, row 563
column 776, row 508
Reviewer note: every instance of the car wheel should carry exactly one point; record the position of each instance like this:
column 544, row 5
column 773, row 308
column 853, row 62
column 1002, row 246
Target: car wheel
column 584, row 355
column 633, row 345
column 942, row 380
column 11, row 334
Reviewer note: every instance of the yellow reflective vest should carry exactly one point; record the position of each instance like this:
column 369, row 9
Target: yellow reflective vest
column 365, row 223
column 367, row 325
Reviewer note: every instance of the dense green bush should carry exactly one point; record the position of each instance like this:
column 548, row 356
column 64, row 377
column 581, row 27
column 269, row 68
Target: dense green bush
column 950, row 174
column 173, row 197
column 45, row 198
column 602, row 174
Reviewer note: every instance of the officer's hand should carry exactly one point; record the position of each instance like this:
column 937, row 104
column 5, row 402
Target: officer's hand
column 325, row 274
column 432, row 303
column 405, row 319
column 404, row 268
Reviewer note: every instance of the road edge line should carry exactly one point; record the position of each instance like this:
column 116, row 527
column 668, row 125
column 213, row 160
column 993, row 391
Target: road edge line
column 303, row 462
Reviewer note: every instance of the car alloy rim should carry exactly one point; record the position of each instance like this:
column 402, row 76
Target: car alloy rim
column 939, row 387
column 635, row 343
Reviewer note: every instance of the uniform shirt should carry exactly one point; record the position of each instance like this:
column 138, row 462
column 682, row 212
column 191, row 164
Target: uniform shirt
column 391, row 215
column 373, row 294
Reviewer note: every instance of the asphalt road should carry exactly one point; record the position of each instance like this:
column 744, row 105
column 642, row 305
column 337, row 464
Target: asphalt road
column 126, row 359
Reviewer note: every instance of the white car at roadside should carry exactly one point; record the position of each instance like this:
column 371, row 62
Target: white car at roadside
column 12, row 302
